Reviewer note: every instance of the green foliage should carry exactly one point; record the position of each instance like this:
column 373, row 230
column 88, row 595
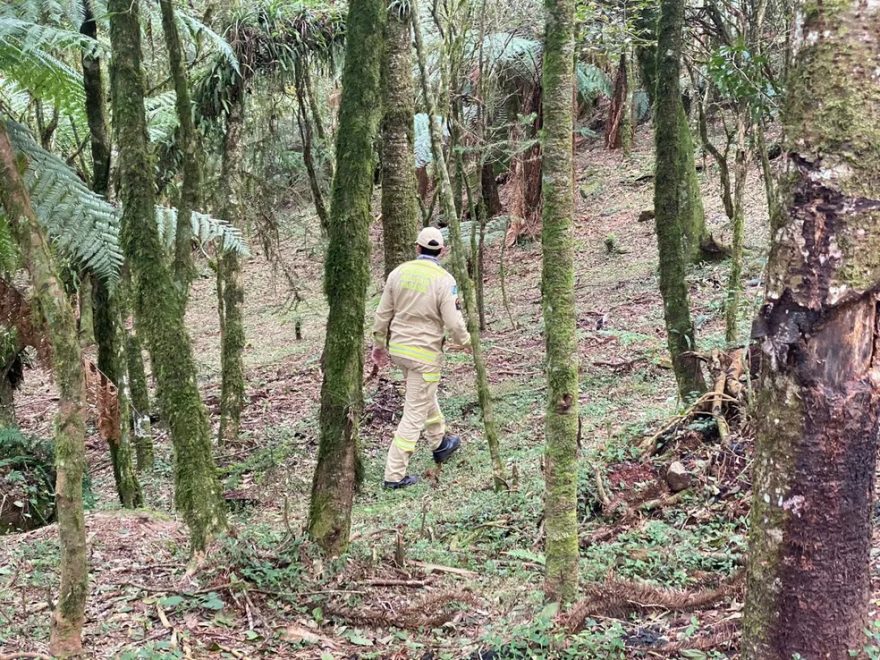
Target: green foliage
column 29, row 56
column 83, row 225
column 205, row 229
column 592, row 82
column 542, row 638
column 739, row 75
column 27, row 482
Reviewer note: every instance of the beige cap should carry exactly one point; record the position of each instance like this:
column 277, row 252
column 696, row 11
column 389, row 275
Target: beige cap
column 431, row 238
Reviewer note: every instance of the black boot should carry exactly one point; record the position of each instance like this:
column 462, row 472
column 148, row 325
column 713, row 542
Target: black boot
column 447, row 448
column 403, row 483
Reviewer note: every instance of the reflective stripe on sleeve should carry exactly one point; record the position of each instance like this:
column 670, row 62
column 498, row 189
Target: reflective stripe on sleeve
column 432, row 377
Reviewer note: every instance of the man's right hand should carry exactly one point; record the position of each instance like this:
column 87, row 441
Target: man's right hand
column 379, row 356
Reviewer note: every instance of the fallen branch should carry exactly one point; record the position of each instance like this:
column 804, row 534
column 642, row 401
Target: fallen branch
column 620, row 598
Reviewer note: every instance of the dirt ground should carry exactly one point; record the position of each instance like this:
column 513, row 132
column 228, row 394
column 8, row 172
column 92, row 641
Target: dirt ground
column 448, row 569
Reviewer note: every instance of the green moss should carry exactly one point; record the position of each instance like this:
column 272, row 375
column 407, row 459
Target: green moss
column 346, row 277
column 557, row 286
column 157, row 298
column 674, row 200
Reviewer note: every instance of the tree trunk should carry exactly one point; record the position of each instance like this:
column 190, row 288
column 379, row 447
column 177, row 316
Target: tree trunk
column 400, row 209
column 459, row 265
column 107, row 308
column 740, row 176
column 818, row 407
column 305, row 133
column 112, row 363
column 232, row 337
column 96, row 112
column 347, row 275
column 60, row 324
column 188, row 141
column 140, row 401
column 654, row 63
column 489, row 187
column 157, row 301
column 557, row 287
column 617, row 123
column 693, row 217
column 671, row 192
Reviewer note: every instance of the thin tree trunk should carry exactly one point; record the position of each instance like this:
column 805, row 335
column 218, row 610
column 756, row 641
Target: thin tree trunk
column 557, row 286
column 740, row 175
column 107, row 308
column 670, row 192
column 305, row 132
column 502, row 276
column 232, row 387
column 112, row 363
column 459, row 266
column 188, row 140
column 720, row 158
column 60, row 325
column 140, row 401
column 347, row 275
column 156, row 301
column 400, row 210
column 96, row 112
column 818, row 405
column 617, row 124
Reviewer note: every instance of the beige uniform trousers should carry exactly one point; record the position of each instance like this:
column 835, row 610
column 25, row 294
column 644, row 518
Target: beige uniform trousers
column 421, row 411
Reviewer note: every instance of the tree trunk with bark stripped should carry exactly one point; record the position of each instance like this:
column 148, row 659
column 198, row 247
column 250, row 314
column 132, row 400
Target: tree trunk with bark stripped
column 818, row 406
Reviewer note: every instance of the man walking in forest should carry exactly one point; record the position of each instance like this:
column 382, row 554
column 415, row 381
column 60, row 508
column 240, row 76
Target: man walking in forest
column 418, row 303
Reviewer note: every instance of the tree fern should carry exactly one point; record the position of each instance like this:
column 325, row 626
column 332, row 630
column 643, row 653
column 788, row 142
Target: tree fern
column 205, row 229
column 82, row 225
column 30, row 56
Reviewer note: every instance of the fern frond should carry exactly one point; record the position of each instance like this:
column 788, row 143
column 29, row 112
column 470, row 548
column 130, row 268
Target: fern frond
column 592, row 82
column 161, row 117
column 205, row 229
column 29, row 55
column 80, row 223
column 190, row 25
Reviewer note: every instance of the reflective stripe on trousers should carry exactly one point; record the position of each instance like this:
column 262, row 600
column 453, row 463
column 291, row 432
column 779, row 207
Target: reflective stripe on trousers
column 421, row 411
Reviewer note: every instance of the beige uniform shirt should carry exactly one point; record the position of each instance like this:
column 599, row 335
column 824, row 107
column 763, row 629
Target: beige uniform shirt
column 419, row 301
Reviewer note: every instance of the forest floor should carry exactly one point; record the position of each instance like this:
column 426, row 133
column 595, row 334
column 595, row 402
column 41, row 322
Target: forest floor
column 449, row 568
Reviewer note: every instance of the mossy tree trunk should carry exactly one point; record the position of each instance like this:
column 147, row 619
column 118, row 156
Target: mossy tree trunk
column 672, row 196
column 346, row 277
column 108, row 310
column 112, row 362
column 156, row 295
column 60, row 324
column 818, row 404
column 188, row 141
column 653, row 66
column 459, row 265
column 557, row 287
column 230, row 290
column 400, row 209
column 140, row 401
